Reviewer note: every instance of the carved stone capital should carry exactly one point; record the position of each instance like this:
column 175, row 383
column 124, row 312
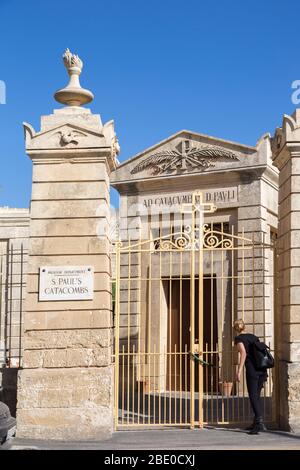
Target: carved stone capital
column 71, row 142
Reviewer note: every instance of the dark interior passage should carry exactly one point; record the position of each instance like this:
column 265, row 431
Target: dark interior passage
column 179, row 307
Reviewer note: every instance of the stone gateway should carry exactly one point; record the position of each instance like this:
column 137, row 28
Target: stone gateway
column 123, row 320
column 65, row 387
column 196, row 251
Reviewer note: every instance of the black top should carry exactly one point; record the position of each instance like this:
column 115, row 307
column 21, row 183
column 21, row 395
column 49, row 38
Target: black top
column 248, row 339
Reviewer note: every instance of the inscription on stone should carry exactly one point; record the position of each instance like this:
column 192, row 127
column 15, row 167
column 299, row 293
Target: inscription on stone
column 66, row 283
column 173, row 201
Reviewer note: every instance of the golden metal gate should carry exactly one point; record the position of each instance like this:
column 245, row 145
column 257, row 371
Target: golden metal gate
column 176, row 297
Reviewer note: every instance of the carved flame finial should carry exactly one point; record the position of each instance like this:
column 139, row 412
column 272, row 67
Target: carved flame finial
column 73, row 94
column 72, row 60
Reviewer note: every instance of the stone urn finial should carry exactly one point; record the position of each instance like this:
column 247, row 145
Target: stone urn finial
column 73, row 94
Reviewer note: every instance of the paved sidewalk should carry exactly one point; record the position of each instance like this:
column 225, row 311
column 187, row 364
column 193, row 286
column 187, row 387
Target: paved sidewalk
column 172, row 439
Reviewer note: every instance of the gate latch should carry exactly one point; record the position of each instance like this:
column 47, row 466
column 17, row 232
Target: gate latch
column 196, row 347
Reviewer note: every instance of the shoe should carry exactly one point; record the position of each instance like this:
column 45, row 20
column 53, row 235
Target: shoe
column 249, row 428
column 258, row 427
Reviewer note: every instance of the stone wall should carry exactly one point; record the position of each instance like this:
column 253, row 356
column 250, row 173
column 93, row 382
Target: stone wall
column 65, row 390
column 286, row 155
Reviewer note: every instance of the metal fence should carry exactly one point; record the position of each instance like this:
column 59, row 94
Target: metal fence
column 176, row 296
column 13, row 260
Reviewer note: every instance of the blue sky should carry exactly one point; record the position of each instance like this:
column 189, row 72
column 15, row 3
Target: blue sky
column 221, row 67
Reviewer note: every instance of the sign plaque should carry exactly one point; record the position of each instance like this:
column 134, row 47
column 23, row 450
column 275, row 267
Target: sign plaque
column 66, row 283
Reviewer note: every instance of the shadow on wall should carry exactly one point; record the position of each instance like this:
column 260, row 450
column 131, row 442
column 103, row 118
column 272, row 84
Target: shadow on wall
column 8, row 388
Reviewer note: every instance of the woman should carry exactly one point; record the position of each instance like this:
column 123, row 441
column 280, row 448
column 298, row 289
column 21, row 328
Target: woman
column 254, row 378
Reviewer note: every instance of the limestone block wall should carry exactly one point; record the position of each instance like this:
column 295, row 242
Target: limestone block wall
column 67, row 346
column 130, row 263
column 65, row 390
column 257, row 218
column 251, row 261
column 287, row 159
column 288, row 243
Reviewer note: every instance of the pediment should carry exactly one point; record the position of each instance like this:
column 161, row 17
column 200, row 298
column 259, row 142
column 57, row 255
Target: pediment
column 184, row 153
column 65, row 136
column 186, row 156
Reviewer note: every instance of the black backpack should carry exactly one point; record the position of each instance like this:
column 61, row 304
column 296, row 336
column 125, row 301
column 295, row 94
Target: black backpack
column 263, row 359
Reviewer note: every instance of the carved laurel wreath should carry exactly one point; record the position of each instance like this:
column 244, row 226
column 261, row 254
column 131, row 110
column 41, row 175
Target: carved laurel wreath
column 201, row 158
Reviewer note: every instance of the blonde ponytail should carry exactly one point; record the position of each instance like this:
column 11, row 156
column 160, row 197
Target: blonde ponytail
column 239, row 325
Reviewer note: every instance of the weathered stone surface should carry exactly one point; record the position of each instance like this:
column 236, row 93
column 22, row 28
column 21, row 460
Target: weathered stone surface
column 294, row 391
column 68, row 339
column 294, row 238
column 251, row 225
column 61, row 404
column 294, row 332
column 285, row 171
column 87, row 377
column 54, row 358
column 32, row 359
column 71, row 245
column 295, row 295
column 97, row 357
column 69, row 190
column 101, row 301
column 100, row 262
column 248, row 264
column 251, row 303
column 86, row 384
column 67, row 358
column 294, row 421
column 289, row 352
column 68, row 319
column 67, row 208
column 284, row 207
column 293, row 397
column 66, row 423
column 74, row 172
column 65, row 227
column 294, row 166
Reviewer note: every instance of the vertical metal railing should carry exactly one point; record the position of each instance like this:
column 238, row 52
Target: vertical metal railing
column 160, row 381
column 12, row 289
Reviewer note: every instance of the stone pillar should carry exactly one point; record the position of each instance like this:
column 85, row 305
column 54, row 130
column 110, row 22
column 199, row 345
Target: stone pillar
column 286, row 157
column 65, row 389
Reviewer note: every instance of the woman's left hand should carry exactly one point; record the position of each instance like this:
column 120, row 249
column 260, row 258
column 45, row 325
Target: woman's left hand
column 238, row 377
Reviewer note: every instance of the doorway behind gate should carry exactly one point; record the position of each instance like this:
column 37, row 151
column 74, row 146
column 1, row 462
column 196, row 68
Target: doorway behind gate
column 178, row 293
column 174, row 355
